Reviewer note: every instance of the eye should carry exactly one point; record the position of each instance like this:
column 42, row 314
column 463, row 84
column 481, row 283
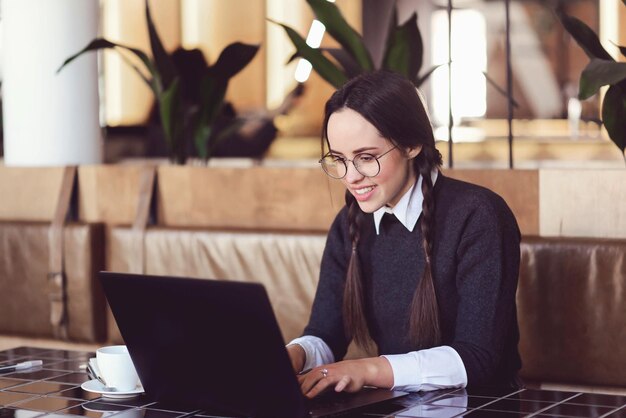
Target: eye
column 366, row 158
column 333, row 160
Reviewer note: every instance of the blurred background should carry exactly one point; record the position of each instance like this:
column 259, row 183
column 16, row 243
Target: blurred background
column 545, row 61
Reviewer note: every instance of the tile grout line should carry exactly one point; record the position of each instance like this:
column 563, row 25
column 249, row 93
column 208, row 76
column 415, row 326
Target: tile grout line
column 623, row 407
column 489, row 403
column 552, row 406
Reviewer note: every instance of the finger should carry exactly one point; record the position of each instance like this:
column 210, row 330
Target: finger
column 343, row 383
column 310, row 380
column 319, row 387
column 320, row 381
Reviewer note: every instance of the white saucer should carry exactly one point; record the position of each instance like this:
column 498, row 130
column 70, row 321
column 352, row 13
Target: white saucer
column 95, row 386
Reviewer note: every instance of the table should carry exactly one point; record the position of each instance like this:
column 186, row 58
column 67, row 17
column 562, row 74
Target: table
column 53, row 391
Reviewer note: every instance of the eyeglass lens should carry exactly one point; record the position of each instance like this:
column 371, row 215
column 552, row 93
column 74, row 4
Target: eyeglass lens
column 337, row 167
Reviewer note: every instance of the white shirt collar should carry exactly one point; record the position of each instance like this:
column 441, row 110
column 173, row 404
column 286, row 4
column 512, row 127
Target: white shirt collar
column 409, row 207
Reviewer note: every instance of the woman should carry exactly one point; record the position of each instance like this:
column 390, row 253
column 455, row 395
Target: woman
column 423, row 266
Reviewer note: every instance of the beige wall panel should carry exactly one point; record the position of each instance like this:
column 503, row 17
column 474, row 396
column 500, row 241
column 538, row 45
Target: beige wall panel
column 29, row 194
column 128, row 99
column 532, row 154
column 306, row 119
column 108, row 193
column 519, row 188
column 211, row 25
column 583, row 203
column 301, row 199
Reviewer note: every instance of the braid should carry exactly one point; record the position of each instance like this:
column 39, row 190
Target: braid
column 354, row 298
column 424, row 325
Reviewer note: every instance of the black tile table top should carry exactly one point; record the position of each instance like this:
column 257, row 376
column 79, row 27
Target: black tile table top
column 65, row 365
column 35, row 374
column 7, row 383
column 53, row 391
column 18, row 413
column 11, row 398
column 72, row 378
column 620, row 413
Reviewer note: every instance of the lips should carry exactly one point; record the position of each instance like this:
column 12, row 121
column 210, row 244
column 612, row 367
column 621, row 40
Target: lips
column 363, row 193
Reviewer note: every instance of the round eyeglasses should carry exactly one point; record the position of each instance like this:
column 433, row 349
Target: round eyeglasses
column 366, row 164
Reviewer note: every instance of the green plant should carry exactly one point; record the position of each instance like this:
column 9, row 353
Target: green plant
column 184, row 118
column 403, row 50
column 602, row 70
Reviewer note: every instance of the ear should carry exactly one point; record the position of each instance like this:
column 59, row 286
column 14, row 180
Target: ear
column 414, row 152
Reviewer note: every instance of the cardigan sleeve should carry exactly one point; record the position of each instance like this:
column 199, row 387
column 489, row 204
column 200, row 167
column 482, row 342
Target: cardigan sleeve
column 326, row 321
column 488, row 257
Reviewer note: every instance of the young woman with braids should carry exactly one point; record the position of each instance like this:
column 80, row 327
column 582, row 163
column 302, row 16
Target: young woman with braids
column 423, row 266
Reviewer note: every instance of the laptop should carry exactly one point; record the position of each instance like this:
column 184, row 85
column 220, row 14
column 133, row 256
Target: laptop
column 215, row 346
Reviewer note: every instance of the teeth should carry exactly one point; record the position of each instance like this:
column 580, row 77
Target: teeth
column 365, row 190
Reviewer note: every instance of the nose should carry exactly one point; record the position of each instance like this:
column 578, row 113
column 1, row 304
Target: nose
column 352, row 174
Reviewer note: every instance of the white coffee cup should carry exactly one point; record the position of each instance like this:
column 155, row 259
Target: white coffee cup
column 116, row 368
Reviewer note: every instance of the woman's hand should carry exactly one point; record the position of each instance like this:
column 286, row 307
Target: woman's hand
column 297, row 357
column 348, row 375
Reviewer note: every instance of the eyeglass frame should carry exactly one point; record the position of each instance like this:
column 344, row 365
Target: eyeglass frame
column 345, row 162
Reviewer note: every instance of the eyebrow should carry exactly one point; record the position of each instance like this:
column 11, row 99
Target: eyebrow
column 356, row 151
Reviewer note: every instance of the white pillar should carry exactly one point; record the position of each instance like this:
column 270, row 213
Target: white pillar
column 50, row 118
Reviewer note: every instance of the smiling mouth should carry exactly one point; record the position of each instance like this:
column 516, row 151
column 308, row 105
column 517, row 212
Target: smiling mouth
column 364, row 190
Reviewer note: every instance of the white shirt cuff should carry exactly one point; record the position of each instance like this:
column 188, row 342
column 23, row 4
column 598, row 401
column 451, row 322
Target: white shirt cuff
column 317, row 351
column 431, row 369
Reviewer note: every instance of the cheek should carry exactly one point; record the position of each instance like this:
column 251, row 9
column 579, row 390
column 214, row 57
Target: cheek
column 393, row 173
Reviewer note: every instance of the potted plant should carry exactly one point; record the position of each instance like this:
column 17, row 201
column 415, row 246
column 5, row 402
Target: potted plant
column 602, row 70
column 184, row 118
column 403, row 50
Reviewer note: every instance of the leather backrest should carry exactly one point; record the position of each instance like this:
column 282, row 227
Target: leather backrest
column 571, row 303
column 571, row 298
column 287, row 264
column 25, row 307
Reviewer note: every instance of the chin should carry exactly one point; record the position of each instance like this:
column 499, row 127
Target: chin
column 369, row 207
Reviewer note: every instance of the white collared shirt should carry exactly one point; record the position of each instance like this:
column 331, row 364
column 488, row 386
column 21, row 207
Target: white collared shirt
column 423, row 370
column 409, row 207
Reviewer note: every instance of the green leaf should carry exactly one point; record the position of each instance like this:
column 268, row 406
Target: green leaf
column 217, row 137
column 350, row 67
column 101, row 43
column 599, row 73
column 328, row 13
column 404, row 49
column 169, row 110
column 322, row 65
column 213, row 92
column 164, row 63
column 234, row 58
column 201, row 141
column 584, row 36
column 614, row 114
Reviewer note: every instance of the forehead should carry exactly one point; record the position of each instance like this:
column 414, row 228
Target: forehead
column 348, row 132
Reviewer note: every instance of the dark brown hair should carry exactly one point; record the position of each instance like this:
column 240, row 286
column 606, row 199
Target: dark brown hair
column 393, row 106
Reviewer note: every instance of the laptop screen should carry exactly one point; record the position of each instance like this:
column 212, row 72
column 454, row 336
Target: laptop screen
column 215, row 346
column 190, row 341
